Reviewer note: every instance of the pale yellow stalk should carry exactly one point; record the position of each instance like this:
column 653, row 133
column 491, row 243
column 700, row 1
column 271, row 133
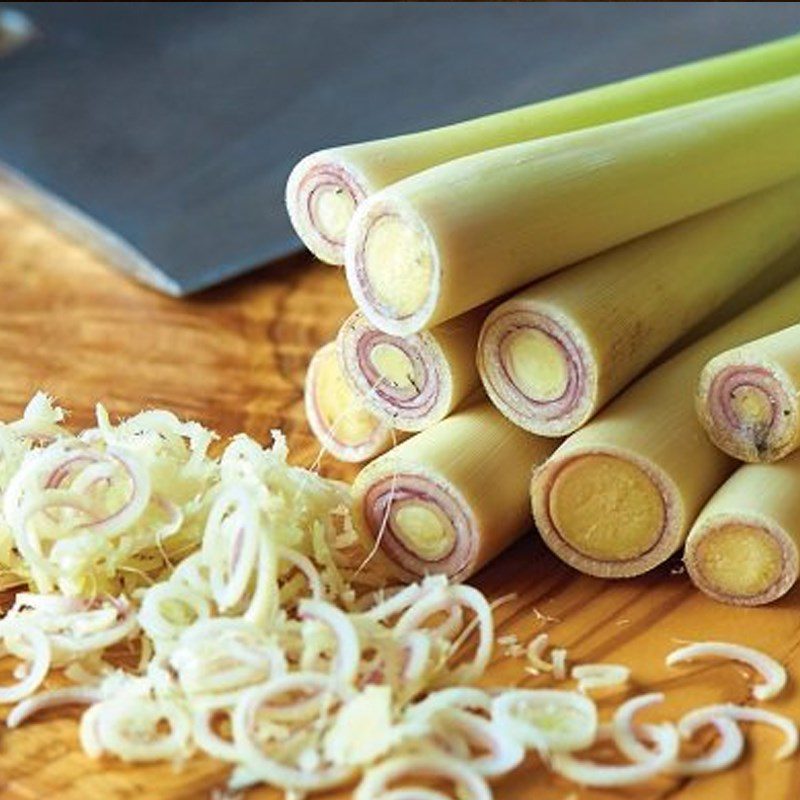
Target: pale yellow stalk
column 336, row 415
column 618, row 496
column 453, row 237
column 414, row 381
column 748, row 398
column 555, row 353
column 325, row 188
column 452, row 497
column 743, row 548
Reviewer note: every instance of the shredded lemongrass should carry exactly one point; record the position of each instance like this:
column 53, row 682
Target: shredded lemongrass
column 773, row 673
column 233, row 589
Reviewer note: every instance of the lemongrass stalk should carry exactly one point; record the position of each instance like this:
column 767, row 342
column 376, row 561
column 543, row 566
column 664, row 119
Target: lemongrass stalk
column 748, row 398
column 336, row 415
column 743, row 548
column 325, row 188
column 443, row 241
column 555, row 353
column 618, row 496
column 414, row 381
column 452, row 497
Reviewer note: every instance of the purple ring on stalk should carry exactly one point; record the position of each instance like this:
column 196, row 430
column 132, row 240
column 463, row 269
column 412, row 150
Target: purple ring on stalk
column 413, row 550
column 505, row 382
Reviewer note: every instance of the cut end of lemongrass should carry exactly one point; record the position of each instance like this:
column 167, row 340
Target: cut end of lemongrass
column 322, row 194
column 336, row 415
column 604, row 513
column 748, row 408
column 535, row 370
column 392, row 266
column 404, row 380
column 745, row 562
column 417, row 519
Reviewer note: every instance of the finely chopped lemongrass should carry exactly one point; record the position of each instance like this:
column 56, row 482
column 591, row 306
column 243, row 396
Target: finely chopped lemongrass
column 245, row 724
column 299, row 682
column 773, row 673
column 130, row 728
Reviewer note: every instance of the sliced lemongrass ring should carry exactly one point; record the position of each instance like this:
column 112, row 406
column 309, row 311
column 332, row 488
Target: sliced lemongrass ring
column 130, row 728
column 503, row 752
column 37, row 663
column 623, row 727
column 727, row 750
column 773, row 673
column 69, row 695
column 453, row 697
column 548, row 720
column 590, row 773
column 348, row 649
column 324, row 695
column 748, row 714
column 467, row 783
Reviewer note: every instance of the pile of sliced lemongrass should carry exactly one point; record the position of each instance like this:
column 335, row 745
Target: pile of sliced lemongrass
column 262, row 642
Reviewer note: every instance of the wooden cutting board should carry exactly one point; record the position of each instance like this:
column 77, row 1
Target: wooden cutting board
column 234, row 358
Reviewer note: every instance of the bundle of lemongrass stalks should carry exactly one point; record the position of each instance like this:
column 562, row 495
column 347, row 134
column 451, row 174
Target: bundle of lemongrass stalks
column 541, row 294
column 205, row 599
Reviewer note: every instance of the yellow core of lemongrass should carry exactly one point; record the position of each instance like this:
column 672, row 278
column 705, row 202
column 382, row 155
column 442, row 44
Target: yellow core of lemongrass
column 340, row 409
column 739, row 560
column 398, row 265
column 423, row 529
column 751, row 405
column 536, row 363
column 333, row 209
column 606, row 508
column 393, row 365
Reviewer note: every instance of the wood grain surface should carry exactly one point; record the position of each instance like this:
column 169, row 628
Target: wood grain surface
column 234, row 358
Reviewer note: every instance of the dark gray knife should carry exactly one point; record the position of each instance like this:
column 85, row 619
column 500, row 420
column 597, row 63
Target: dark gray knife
column 162, row 133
